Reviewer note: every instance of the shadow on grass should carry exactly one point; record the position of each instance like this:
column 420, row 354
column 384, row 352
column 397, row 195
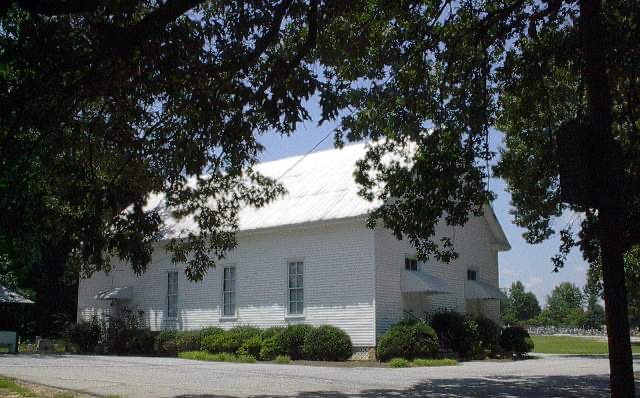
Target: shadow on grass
column 557, row 386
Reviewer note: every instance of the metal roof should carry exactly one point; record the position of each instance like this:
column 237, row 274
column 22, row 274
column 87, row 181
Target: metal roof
column 320, row 187
column 11, row 297
column 418, row 281
column 483, row 291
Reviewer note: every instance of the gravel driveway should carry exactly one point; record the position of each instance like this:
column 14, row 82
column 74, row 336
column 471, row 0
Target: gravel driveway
column 547, row 376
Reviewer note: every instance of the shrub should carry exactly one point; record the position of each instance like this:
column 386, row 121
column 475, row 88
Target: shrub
column 399, row 363
column 327, row 343
column 188, row 341
column 210, row 331
column 282, row 360
column 408, row 340
column 252, row 347
column 449, row 326
column 217, row 343
column 231, row 340
column 243, row 333
column 84, row 336
column 472, row 342
column 142, row 342
column 458, row 333
column 270, row 348
column 291, row 340
column 516, row 340
column 206, row 333
column 271, row 332
column 166, row 343
column 489, row 332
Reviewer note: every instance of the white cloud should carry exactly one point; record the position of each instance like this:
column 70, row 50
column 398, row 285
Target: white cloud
column 508, row 272
column 533, row 282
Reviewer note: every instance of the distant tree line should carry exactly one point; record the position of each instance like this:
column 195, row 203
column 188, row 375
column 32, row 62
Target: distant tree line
column 570, row 306
column 566, row 306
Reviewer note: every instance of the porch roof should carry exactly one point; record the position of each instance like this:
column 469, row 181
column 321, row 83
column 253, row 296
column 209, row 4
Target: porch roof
column 418, row 281
column 482, row 291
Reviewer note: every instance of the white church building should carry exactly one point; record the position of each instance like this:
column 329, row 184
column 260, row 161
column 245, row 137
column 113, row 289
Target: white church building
column 309, row 258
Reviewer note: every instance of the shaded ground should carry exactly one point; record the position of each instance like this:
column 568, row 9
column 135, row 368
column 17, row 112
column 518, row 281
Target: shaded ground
column 549, row 376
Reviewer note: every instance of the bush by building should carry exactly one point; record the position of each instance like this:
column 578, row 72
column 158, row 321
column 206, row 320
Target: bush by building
column 327, row 343
column 408, row 340
column 291, row 340
column 516, row 340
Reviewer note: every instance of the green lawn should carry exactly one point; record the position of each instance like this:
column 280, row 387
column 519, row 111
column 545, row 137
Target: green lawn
column 572, row 345
column 12, row 388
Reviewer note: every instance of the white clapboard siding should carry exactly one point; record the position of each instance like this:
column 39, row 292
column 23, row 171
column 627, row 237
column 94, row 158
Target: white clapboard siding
column 351, row 274
column 475, row 245
column 338, row 283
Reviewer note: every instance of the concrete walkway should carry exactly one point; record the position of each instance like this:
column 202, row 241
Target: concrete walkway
column 548, row 376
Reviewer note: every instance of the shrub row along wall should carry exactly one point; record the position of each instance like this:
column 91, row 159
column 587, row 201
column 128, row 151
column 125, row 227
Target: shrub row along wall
column 471, row 337
column 323, row 343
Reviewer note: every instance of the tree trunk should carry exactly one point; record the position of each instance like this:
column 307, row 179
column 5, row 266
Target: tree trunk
column 56, row 296
column 608, row 171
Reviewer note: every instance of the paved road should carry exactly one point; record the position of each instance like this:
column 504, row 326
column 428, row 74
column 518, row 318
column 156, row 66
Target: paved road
column 549, row 376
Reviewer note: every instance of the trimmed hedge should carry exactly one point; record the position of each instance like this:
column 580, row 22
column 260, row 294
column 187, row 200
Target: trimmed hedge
column 188, row 341
column 252, row 347
column 408, row 340
column 516, row 340
column 84, row 336
column 230, row 341
column 489, row 332
column 271, row 332
column 327, row 343
column 399, row 363
column 298, row 341
column 210, row 331
column 218, row 343
column 166, row 343
column 459, row 333
column 142, row 342
column 270, row 349
column 291, row 340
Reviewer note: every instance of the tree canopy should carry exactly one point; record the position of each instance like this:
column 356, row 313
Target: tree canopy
column 520, row 306
column 105, row 102
column 632, row 279
column 564, row 303
column 131, row 98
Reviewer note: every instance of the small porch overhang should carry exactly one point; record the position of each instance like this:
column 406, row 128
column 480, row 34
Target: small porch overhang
column 417, row 281
column 482, row 291
column 115, row 293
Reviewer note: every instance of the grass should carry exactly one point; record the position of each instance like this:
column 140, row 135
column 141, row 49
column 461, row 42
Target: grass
column 10, row 385
column 434, row 362
column 419, row 363
column 282, row 360
column 572, row 345
column 221, row 357
column 399, row 363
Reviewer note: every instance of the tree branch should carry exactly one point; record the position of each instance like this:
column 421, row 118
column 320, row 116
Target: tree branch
column 52, row 7
column 283, row 67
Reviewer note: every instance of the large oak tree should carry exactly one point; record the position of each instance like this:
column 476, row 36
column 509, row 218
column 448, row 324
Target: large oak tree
column 103, row 102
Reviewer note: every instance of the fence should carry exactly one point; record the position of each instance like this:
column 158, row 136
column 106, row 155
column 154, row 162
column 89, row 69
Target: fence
column 548, row 330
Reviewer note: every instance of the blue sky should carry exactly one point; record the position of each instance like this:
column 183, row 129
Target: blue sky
column 530, row 264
